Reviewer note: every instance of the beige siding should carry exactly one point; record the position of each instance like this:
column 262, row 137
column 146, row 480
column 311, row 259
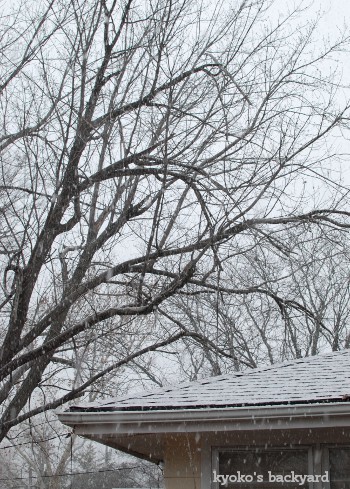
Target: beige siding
column 182, row 462
column 183, row 453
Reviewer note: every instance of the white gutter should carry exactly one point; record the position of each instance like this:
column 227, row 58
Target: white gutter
column 209, row 419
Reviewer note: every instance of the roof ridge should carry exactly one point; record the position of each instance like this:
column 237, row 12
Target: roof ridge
column 287, row 363
column 266, row 368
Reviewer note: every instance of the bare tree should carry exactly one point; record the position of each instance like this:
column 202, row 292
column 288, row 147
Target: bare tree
column 47, row 459
column 143, row 150
column 254, row 329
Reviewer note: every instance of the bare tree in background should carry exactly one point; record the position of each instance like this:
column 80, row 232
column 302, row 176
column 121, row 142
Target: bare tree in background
column 252, row 329
column 43, row 462
column 145, row 150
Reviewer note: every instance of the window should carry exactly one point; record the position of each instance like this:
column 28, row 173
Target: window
column 339, row 467
column 317, row 467
column 263, row 468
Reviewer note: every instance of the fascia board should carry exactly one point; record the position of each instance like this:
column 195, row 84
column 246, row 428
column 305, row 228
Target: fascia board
column 209, row 419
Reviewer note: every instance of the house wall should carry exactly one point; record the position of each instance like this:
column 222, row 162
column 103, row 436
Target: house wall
column 188, row 456
column 182, row 469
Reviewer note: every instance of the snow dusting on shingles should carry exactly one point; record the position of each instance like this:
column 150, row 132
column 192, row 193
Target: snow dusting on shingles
column 313, row 379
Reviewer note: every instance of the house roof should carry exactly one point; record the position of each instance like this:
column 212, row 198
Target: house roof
column 305, row 398
column 313, row 380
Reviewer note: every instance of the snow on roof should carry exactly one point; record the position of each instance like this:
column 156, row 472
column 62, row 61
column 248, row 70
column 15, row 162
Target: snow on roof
column 317, row 379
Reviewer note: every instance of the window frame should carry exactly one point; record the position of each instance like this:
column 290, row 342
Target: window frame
column 325, row 457
column 318, row 459
column 273, row 448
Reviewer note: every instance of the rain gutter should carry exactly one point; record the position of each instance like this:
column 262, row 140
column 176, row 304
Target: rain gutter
column 209, row 419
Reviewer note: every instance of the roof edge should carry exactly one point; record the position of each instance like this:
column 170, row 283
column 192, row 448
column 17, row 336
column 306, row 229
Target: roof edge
column 140, row 408
column 252, row 417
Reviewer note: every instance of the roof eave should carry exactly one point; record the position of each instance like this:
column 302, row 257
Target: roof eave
column 209, row 419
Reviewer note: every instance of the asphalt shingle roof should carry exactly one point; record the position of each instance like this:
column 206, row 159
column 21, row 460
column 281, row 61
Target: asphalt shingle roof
column 318, row 379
